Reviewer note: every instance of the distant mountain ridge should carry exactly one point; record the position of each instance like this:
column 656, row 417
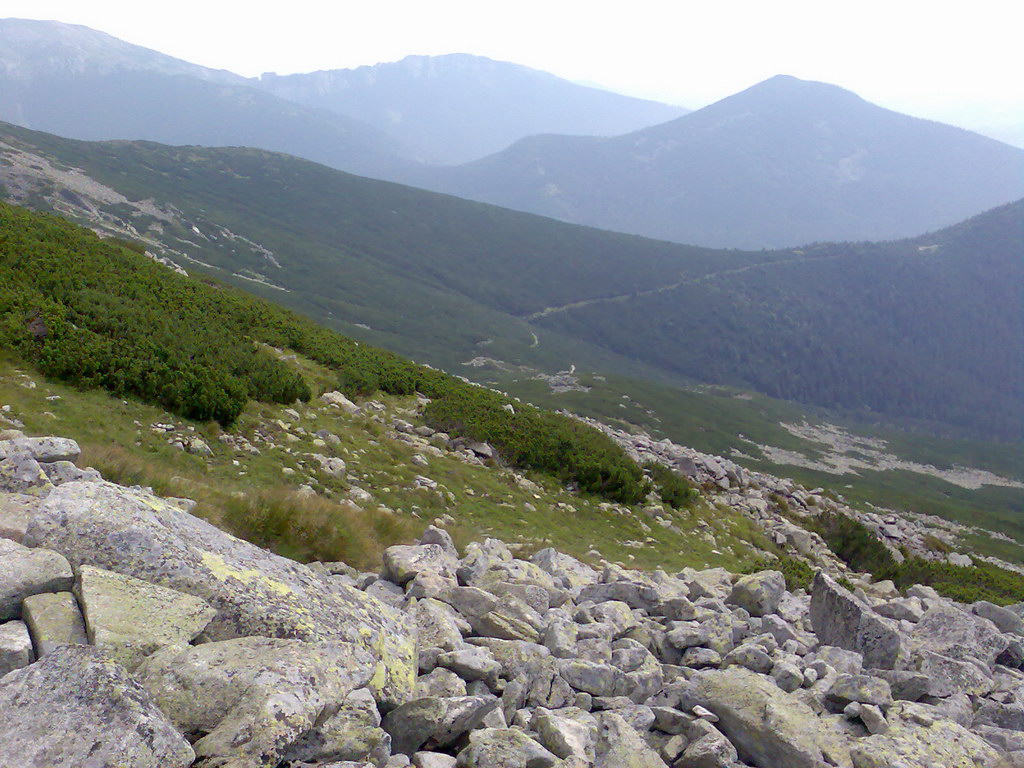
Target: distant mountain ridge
column 782, row 163
column 376, row 121
column 457, row 107
column 84, row 84
column 30, row 49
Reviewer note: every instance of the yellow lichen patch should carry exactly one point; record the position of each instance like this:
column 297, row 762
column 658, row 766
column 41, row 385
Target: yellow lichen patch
column 250, row 576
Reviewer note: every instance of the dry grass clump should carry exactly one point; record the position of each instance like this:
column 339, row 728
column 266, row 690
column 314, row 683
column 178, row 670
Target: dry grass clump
column 307, row 527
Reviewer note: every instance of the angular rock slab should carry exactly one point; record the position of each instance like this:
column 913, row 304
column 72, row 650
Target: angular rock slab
column 767, row 726
column 20, row 473
column 402, row 563
column 959, row 635
column 76, row 707
column 253, row 697
column 619, row 745
column 841, row 620
column 254, row 592
column 54, row 620
column 352, row 733
column 25, row 572
column 504, row 748
column 436, row 721
column 15, row 511
column 913, row 744
column 43, row 449
column 132, row 618
column 759, row 593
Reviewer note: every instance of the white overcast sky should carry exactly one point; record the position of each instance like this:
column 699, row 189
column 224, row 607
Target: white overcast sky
column 959, row 61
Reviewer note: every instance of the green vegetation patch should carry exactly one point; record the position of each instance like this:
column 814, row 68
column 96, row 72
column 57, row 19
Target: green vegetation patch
column 862, row 550
column 100, row 315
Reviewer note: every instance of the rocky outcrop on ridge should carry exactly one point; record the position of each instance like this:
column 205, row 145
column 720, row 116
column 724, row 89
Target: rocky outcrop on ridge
column 135, row 634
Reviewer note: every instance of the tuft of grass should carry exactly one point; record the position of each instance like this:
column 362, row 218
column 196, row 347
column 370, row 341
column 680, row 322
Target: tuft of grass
column 306, row 527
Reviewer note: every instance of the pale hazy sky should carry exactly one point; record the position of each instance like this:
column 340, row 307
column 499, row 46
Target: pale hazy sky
column 957, row 61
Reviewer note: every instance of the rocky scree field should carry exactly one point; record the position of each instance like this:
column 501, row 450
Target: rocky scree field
column 151, row 638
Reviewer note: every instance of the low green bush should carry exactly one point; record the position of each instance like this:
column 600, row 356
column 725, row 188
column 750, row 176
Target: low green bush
column 798, row 573
column 859, row 547
column 674, row 489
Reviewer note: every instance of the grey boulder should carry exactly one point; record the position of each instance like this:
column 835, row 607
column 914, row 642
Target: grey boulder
column 25, row 572
column 76, row 708
column 758, row 593
column 253, row 591
column 840, row 619
column 253, row 697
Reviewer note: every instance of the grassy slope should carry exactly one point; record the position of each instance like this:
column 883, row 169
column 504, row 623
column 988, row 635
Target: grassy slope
column 713, row 419
column 253, row 498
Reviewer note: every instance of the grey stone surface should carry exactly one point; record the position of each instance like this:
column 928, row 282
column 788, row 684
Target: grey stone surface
column 25, row 572
column 958, row 634
column 437, row 720
column 53, row 620
column 132, row 618
column 77, row 708
column 402, row 563
column 841, row 620
column 767, row 726
column 15, row 647
column 504, row 748
column 42, row 449
column 15, row 511
column 20, row 473
column 254, row 698
column 758, row 593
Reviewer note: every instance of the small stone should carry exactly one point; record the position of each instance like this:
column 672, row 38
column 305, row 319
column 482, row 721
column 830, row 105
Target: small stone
column 15, row 647
column 704, row 714
column 873, row 719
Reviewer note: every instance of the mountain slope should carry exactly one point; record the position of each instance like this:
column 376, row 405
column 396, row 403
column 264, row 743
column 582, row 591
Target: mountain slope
column 84, row 84
column 434, row 276
column 783, row 163
column 904, row 329
column 456, row 108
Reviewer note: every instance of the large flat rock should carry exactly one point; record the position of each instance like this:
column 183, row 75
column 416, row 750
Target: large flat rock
column 76, row 708
column 767, row 726
column 132, row 618
column 255, row 592
column 253, row 697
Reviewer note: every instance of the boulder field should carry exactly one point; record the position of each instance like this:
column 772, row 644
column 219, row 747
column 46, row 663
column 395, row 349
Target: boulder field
column 133, row 634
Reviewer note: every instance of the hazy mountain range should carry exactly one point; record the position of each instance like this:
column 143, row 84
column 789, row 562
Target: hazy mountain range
column 85, row 84
column 456, row 108
column 782, row 163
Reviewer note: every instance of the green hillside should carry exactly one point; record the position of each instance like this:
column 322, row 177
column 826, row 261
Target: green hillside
column 108, row 347
column 920, row 332
column 927, row 329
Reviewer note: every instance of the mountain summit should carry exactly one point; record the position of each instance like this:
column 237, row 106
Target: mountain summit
column 32, row 49
column 456, row 108
column 784, row 162
column 84, row 84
